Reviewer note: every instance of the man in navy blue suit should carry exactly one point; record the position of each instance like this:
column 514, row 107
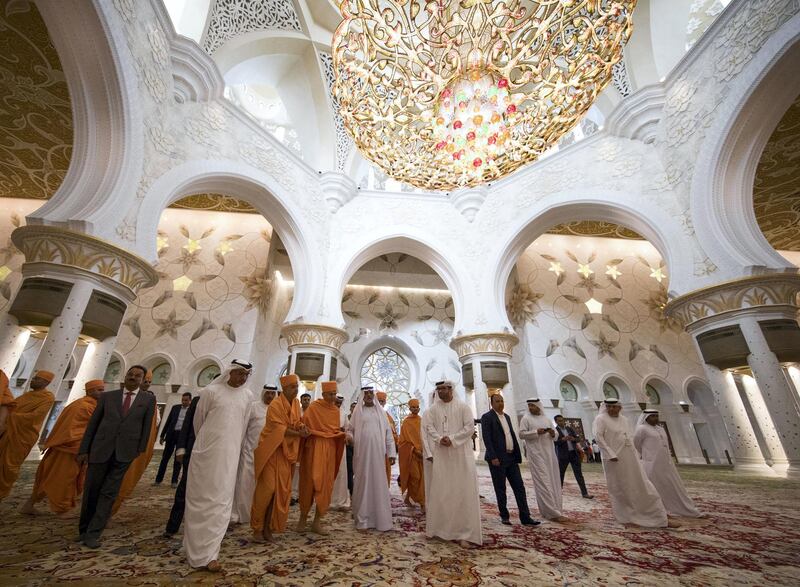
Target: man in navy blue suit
column 567, row 453
column 504, row 456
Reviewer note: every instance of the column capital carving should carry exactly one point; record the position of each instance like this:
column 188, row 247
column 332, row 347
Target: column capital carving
column 769, row 291
column 314, row 334
column 61, row 247
column 497, row 343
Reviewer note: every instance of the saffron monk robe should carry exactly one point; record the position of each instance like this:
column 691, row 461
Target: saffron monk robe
column 275, row 456
column 59, row 477
column 139, row 464
column 412, row 478
column 382, row 397
column 23, row 425
column 7, row 402
column 320, row 455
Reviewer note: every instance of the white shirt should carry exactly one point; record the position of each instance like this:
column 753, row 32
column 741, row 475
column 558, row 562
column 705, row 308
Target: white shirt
column 181, row 416
column 570, row 444
column 506, row 431
column 125, row 392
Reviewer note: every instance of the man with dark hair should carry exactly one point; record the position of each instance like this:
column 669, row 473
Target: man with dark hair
column 567, row 452
column 169, row 434
column 117, row 433
column 305, row 401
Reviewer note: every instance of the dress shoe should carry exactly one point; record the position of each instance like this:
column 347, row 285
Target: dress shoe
column 80, row 538
column 92, row 543
column 530, row 522
column 587, row 496
column 505, row 522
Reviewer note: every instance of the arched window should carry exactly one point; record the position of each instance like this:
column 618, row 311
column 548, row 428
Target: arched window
column 568, row 391
column 161, row 373
column 207, row 375
column 652, row 395
column 113, row 371
column 386, row 370
column 609, row 391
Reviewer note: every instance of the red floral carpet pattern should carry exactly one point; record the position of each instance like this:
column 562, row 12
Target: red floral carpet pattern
column 752, row 537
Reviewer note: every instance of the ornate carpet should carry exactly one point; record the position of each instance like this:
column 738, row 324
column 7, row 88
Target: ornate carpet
column 751, row 538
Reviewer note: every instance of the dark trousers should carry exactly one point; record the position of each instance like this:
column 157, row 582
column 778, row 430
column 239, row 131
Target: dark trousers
column 510, row 473
column 575, row 461
column 99, row 493
column 169, row 448
column 349, row 457
column 179, row 503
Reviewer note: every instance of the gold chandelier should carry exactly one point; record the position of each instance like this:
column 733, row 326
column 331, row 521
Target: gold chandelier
column 443, row 94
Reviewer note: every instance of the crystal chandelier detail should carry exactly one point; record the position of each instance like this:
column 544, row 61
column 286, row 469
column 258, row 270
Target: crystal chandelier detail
column 444, row 94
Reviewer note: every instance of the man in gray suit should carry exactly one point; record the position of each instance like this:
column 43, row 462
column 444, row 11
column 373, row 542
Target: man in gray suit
column 117, row 432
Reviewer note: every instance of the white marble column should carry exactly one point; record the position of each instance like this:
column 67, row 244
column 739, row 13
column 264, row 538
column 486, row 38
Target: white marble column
column 778, row 397
column 746, row 449
column 13, row 339
column 684, row 439
column 93, row 366
column 63, row 333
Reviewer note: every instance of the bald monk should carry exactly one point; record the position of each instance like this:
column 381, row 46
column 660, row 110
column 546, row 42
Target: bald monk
column 320, row 455
column 275, row 456
column 412, row 479
column 23, row 426
column 139, row 464
column 7, row 402
column 382, row 397
column 59, row 477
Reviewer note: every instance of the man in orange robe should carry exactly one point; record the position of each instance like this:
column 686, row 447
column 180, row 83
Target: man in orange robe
column 59, row 477
column 139, row 464
column 412, row 479
column 23, row 426
column 382, row 397
column 320, row 455
column 7, row 402
column 275, row 456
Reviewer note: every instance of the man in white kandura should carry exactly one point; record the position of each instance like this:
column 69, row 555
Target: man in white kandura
column 452, row 508
column 634, row 500
column 340, row 500
column 372, row 443
column 246, row 475
column 652, row 443
column 220, row 424
column 538, row 432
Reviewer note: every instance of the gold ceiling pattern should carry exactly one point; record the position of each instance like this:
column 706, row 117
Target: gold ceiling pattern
column 36, row 139
column 776, row 191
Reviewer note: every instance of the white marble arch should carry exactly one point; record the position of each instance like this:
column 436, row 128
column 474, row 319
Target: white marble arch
column 106, row 116
column 580, row 385
column 627, row 395
column 662, row 230
column 708, row 424
column 261, row 191
column 665, row 394
column 368, row 244
column 155, row 359
column 722, row 186
column 189, row 377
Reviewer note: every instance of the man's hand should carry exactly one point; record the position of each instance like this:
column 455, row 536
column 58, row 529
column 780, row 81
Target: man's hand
column 392, row 460
column 41, row 447
column 541, row 431
column 430, row 459
column 161, row 440
column 495, row 462
column 551, row 432
column 614, row 460
column 82, row 459
column 445, row 441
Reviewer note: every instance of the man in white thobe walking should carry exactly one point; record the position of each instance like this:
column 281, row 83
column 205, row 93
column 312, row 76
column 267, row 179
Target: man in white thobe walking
column 340, row 500
column 652, row 444
column 220, row 423
column 373, row 442
column 538, row 432
column 634, row 500
column 452, row 509
column 246, row 475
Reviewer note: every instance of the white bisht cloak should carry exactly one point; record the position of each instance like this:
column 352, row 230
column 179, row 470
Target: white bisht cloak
column 246, row 475
column 341, row 495
column 372, row 443
column 543, row 464
column 634, row 500
column 220, row 423
column 653, row 446
column 452, row 503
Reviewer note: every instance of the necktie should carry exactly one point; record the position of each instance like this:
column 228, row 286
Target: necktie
column 126, row 405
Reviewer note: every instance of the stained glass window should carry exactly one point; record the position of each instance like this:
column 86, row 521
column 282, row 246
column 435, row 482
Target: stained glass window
column 568, row 391
column 652, row 395
column 609, row 391
column 387, row 371
column 207, row 375
column 161, row 373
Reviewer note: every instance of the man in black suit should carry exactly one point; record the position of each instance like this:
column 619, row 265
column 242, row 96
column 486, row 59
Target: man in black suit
column 184, row 446
column 504, row 456
column 567, row 452
column 169, row 434
column 117, row 433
